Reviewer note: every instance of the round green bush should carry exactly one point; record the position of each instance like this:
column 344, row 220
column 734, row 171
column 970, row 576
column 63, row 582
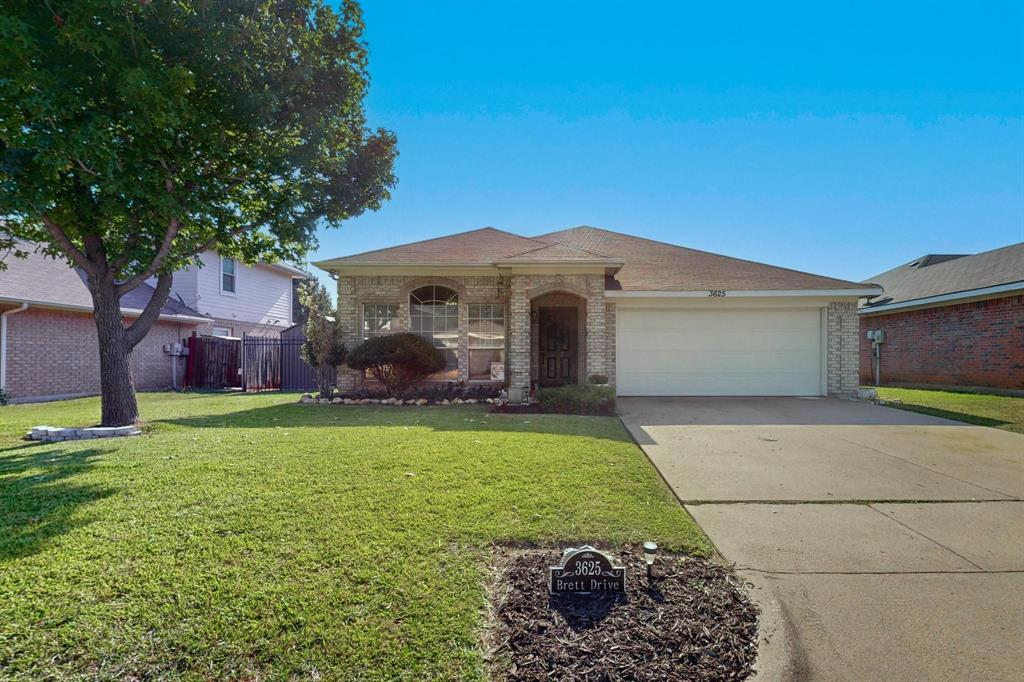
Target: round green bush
column 397, row 360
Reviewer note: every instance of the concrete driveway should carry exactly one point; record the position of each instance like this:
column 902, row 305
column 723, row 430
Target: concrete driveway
column 882, row 544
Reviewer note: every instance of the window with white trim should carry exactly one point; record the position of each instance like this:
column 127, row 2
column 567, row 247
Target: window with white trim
column 434, row 315
column 379, row 319
column 486, row 339
column 228, row 268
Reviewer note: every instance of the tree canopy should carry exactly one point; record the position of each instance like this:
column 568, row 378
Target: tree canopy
column 135, row 135
column 169, row 127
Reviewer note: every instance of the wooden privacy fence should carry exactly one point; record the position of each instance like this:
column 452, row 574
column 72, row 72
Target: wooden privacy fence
column 252, row 363
column 212, row 362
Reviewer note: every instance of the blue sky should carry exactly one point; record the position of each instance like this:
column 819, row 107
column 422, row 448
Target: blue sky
column 841, row 140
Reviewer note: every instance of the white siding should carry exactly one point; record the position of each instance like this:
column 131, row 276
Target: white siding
column 263, row 294
column 185, row 286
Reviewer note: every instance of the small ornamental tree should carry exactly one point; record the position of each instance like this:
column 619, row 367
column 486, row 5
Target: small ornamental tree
column 397, row 360
column 135, row 135
column 323, row 349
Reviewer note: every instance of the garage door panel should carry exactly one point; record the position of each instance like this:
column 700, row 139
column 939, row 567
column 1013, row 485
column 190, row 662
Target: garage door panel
column 711, row 352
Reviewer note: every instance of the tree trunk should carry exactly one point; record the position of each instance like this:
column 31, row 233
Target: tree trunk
column 117, row 385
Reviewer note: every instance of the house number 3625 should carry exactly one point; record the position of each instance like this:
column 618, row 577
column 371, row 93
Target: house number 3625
column 716, row 293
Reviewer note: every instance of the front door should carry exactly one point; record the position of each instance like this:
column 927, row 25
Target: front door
column 557, row 346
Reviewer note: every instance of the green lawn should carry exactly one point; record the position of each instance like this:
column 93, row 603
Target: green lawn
column 245, row 536
column 1002, row 412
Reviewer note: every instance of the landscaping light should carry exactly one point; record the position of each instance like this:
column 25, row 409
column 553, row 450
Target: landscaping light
column 650, row 549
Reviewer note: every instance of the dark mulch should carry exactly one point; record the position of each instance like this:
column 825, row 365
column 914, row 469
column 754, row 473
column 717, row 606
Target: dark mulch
column 690, row 622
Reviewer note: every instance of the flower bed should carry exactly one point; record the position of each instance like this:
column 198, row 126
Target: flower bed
column 572, row 399
column 441, row 394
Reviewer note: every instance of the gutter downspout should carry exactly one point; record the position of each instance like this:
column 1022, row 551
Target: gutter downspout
column 3, row 341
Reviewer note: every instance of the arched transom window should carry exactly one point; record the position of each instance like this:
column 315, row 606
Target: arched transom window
column 434, row 315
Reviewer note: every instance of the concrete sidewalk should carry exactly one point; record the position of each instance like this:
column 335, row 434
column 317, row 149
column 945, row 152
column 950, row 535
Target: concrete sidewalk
column 919, row 574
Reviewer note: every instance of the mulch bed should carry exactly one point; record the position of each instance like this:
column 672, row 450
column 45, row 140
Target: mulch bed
column 690, row 622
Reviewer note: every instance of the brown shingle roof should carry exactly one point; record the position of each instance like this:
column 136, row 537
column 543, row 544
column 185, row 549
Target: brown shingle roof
column 481, row 246
column 654, row 266
column 935, row 275
column 44, row 281
column 646, row 265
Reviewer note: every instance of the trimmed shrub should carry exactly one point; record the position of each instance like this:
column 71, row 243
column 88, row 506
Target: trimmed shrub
column 397, row 360
column 575, row 399
column 598, row 379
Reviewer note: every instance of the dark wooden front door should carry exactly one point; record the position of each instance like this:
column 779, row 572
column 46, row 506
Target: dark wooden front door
column 559, row 331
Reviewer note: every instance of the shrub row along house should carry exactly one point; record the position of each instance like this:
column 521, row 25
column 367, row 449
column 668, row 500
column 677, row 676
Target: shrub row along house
column 655, row 318
column 951, row 321
column 48, row 346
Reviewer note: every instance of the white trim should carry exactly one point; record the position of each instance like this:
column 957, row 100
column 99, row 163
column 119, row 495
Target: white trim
column 223, row 291
column 944, row 298
column 448, row 270
column 744, row 293
column 127, row 312
column 3, row 340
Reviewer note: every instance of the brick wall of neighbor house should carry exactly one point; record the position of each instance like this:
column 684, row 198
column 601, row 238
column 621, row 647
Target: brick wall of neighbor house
column 842, row 348
column 976, row 344
column 53, row 353
column 239, row 328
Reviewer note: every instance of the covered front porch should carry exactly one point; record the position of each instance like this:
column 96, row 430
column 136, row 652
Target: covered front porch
column 558, row 332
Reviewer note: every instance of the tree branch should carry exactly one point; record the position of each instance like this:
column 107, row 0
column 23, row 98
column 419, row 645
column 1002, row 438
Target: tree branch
column 137, row 330
column 62, row 240
column 158, row 260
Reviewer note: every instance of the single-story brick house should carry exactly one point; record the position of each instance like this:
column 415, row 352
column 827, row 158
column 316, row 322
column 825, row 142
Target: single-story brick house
column 655, row 318
column 48, row 344
column 949, row 321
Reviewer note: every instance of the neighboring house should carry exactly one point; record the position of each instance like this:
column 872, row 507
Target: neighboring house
column 48, row 346
column 656, row 319
column 953, row 321
column 240, row 299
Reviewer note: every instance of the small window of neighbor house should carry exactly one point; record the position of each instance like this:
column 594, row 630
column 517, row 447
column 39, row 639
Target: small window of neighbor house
column 220, row 331
column 228, row 275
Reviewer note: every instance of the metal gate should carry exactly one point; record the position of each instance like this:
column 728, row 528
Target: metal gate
column 271, row 364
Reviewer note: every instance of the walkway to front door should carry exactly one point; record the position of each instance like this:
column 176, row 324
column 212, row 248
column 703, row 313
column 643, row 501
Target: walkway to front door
column 558, row 344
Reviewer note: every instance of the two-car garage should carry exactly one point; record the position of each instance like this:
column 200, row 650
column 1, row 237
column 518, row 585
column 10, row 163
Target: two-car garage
column 724, row 351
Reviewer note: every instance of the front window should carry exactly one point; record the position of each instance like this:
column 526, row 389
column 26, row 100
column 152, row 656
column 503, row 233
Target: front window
column 227, row 275
column 379, row 319
column 487, row 341
column 434, row 315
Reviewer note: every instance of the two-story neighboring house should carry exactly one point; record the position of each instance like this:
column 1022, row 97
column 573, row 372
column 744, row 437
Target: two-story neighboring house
column 238, row 298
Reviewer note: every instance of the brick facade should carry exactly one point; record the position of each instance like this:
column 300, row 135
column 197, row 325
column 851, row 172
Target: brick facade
column 842, row 339
column 354, row 291
column 55, row 354
column 520, row 294
column 523, row 295
column 978, row 344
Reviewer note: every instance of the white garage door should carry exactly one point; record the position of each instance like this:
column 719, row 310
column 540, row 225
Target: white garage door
column 718, row 352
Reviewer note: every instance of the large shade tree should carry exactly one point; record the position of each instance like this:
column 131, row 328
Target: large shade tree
column 134, row 135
